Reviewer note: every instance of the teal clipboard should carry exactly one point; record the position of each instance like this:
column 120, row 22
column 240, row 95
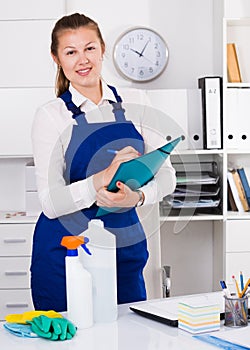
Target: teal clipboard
column 137, row 172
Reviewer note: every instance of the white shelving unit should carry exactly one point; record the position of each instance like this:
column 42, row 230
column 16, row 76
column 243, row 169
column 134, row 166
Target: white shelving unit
column 225, row 236
column 190, row 243
column 237, row 144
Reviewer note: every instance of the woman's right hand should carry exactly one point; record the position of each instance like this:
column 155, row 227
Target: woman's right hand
column 103, row 178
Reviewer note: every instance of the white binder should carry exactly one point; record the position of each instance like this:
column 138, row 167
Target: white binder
column 237, row 128
column 181, row 115
column 195, row 126
column 212, row 111
column 172, row 107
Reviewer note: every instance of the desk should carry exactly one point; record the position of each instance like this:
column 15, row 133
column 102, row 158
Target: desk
column 129, row 332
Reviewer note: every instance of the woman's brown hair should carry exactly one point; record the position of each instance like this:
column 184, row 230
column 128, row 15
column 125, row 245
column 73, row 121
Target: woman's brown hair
column 73, row 21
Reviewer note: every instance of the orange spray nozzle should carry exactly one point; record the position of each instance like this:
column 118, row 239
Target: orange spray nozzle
column 73, row 242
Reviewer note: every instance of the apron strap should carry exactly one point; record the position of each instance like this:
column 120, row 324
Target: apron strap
column 76, row 111
column 67, row 98
column 117, row 106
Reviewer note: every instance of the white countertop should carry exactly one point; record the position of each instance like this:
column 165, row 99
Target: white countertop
column 130, row 331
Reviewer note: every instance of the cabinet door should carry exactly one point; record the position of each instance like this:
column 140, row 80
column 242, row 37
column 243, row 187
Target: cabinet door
column 237, row 249
column 236, row 262
column 16, row 239
column 15, row 131
column 26, row 61
column 15, row 273
column 14, row 9
column 238, row 236
column 15, row 301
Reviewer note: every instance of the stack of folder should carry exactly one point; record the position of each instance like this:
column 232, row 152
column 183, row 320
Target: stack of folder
column 198, row 319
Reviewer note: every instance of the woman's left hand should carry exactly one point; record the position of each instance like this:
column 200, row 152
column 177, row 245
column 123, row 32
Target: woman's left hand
column 124, row 198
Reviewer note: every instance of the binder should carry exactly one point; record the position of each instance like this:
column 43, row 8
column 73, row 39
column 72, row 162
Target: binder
column 237, row 112
column 231, row 202
column 232, row 110
column 245, row 183
column 233, row 69
column 211, row 111
column 195, row 126
column 171, row 110
column 234, row 191
column 240, row 190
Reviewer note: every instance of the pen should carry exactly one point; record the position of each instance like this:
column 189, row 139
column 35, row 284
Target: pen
column 237, row 286
column 225, row 289
column 241, row 281
column 113, row 151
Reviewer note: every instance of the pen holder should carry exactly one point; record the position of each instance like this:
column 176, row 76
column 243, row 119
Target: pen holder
column 236, row 311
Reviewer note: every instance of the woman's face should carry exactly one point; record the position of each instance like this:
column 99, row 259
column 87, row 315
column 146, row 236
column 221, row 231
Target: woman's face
column 80, row 56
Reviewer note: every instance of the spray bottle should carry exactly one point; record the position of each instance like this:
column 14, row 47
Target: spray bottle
column 78, row 283
column 102, row 267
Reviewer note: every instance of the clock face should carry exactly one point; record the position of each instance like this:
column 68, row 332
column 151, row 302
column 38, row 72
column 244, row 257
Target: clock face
column 140, row 54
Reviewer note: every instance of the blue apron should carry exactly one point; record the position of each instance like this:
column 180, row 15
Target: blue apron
column 86, row 155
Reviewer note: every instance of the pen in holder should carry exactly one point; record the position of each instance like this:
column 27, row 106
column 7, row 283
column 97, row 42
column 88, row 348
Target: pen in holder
column 236, row 311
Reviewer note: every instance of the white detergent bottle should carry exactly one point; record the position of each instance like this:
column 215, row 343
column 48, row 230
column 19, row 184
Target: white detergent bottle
column 102, row 267
column 78, row 283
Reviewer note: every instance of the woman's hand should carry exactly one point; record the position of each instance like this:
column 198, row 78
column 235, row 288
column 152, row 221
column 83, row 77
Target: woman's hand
column 124, row 198
column 103, row 178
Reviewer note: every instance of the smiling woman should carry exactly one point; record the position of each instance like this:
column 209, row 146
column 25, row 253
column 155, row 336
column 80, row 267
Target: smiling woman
column 74, row 46
column 71, row 135
column 79, row 55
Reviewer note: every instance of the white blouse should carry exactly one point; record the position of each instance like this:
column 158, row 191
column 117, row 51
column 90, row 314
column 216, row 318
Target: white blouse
column 51, row 133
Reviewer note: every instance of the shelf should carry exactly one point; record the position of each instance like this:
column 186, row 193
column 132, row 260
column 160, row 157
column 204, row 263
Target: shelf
column 9, row 217
column 198, row 152
column 196, row 217
column 238, row 151
column 238, row 85
column 15, row 156
column 235, row 22
column 234, row 215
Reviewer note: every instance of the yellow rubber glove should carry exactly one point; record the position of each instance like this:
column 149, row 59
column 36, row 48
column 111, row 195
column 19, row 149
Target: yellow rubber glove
column 29, row 315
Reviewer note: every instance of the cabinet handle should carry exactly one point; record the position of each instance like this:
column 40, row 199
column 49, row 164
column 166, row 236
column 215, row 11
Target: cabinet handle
column 15, row 273
column 16, row 305
column 15, row 240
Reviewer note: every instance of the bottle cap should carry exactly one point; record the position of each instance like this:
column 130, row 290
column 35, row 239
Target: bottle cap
column 96, row 222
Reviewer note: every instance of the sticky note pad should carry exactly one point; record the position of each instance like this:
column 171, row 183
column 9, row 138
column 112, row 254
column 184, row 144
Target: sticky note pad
column 198, row 319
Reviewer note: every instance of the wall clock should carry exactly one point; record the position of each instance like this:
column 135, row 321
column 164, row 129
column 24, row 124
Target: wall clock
column 140, row 54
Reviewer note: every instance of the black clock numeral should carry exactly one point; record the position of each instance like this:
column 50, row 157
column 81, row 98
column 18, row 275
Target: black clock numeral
column 158, row 54
column 125, row 47
column 156, row 46
column 150, row 69
column 141, row 72
column 125, row 64
column 140, row 36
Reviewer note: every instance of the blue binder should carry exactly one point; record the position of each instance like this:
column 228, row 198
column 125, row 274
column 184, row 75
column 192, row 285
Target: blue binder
column 139, row 171
column 245, row 184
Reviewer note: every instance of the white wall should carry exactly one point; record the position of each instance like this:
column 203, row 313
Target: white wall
column 187, row 26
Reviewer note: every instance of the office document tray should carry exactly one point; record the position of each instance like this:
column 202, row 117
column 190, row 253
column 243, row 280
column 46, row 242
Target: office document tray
column 197, row 189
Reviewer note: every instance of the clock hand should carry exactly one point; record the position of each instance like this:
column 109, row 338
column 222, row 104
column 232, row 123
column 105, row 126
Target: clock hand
column 147, row 59
column 138, row 53
column 141, row 54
